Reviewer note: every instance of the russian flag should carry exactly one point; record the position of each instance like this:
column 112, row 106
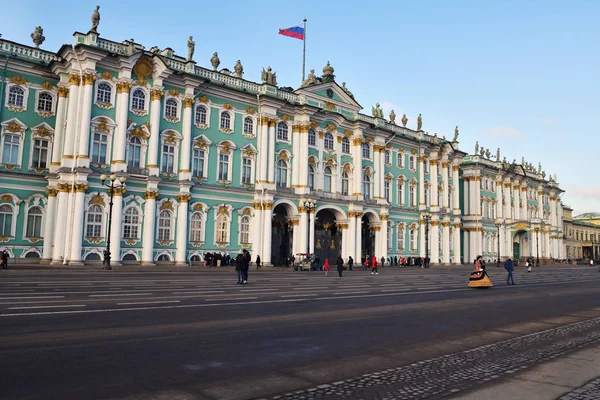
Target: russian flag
column 296, row 31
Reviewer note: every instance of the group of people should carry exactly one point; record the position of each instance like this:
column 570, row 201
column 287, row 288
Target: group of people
column 479, row 273
column 242, row 264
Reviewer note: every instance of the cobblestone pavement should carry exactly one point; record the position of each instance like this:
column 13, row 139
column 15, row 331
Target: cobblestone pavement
column 590, row 391
column 446, row 376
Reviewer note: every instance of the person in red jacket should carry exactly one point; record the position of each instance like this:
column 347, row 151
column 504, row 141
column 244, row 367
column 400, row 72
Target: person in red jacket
column 326, row 266
column 374, row 265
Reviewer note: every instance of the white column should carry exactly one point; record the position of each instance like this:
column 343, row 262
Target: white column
column 358, row 236
column 382, row 179
column 517, row 192
column 49, row 221
column 186, row 142
column 115, row 229
column 257, row 229
column 378, row 172
column 296, row 238
column 271, row 153
column 446, row 242
column 433, row 173
column 434, row 241
column 61, row 222
column 357, row 160
column 457, row 249
column 499, row 210
column 296, row 156
column 84, row 126
column 348, row 234
column 267, row 232
column 77, row 233
column 120, row 142
column 301, row 162
column 445, row 184
column 422, row 230
column 155, row 110
column 148, row 230
column 59, row 128
column 312, row 231
column 263, row 150
column 456, row 193
column 69, row 142
column 467, row 195
column 507, row 200
column 421, row 185
column 467, row 246
column 547, row 244
column 182, row 229
column 379, row 237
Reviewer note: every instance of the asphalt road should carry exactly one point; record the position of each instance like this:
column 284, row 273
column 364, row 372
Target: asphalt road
column 114, row 335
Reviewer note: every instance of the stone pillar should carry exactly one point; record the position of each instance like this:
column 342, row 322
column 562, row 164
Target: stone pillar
column 378, row 240
column 182, row 228
column 421, row 184
column 84, row 125
column 466, row 243
column 507, row 201
column 49, row 221
column 296, row 238
column 267, row 232
column 499, row 210
column 312, row 230
column 148, row 230
column 301, row 163
column 155, row 111
column 77, row 232
column 382, row 178
column 467, row 195
column 357, row 216
column 297, row 159
column 456, row 237
column 446, row 242
column 68, row 155
column 547, row 244
column 434, row 240
column 61, row 222
column 263, row 150
column 422, row 233
column 120, row 141
column 433, row 173
column 186, row 142
column 517, row 192
column 456, row 192
column 357, row 160
column 117, row 222
column 378, row 172
column 271, row 153
column 383, row 250
column 59, row 129
column 445, row 184
column 257, row 225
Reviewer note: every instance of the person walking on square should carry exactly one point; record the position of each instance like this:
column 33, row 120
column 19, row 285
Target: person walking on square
column 350, row 262
column 246, row 265
column 239, row 264
column 5, row 256
column 374, row 265
column 326, row 266
column 340, row 265
column 258, row 262
column 508, row 265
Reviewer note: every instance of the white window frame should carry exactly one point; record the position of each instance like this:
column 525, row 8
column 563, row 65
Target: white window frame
column 15, row 108
column 108, row 147
column 48, row 151
column 400, row 163
column 97, row 125
column 346, row 145
column 311, row 185
column 347, row 180
column 249, row 159
column 413, row 240
column 42, row 215
column 390, row 238
column 177, row 117
column 412, row 200
column 227, row 215
column 287, row 172
column 387, row 190
column 400, row 239
column 204, row 162
column 138, row 226
column 170, row 228
column 366, row 147
column 253, row 126
column 44, row 113
column 142, row 146
column 282, row 124
column 225, row 147
column 367, row 182
column 387, row 158
column 400, row 192
column 231, row 121
column 175, row 142
column 87, row 222
column 206, row 123
column 328, row 137
column 147, row 101
column 314, row 132
column 241, row 217
column 201, row 230
column 15, row 215
column 20, row 136
column 330, row 176
column 113, row 94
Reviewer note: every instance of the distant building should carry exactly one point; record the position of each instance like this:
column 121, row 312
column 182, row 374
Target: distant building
column 581, row 234
column 216, row 163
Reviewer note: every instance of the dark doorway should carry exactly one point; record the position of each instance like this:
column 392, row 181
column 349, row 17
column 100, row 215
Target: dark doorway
column 281, row 237
column 328, row 238
column 368, row 237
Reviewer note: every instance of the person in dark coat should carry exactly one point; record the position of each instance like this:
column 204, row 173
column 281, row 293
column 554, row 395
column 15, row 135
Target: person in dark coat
column 5, row 256
column 258, row 262
column 340, row 265
column 350, row 262
column 508, row 265
column 239, row 265
column 246, row 265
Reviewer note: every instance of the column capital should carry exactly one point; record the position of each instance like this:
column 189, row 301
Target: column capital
column 62, row 91
column 74, row 80
column 81, row 187
column 64, row 187
column 51, row 192
column 267, row 205
column 188, row 102
column 119, row 191
column 88, row 79
column 123, row 87
column 184, row 197
column 151, row 194
column 157, row 94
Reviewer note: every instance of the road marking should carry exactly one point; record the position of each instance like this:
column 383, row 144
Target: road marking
column 120, row 294
column 34, row 307
column 148, row 302
column 36, row 297
column 233, row 298
column 368, row 291
column 299, row 295
column 201, row 292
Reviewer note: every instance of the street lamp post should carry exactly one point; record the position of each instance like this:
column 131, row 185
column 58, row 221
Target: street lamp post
column 112, row 185
column 498, row 223
column 309, row 205
column 426, row 218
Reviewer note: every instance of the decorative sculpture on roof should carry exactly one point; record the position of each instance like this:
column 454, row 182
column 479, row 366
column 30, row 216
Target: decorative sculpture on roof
column 455, row 138
column 555, row 179
column 269, row 77
column 239, row 69
column 435, row 139
column 393, row 117
column 214, row 60
column 311, row 79
column 498, row 154
column 328, row 75
column 95, row 19
column 348, row 92
column 504, row 160
column 419, row 123
column 376, row 111
column 482, row 152
column 539, row 168
column 191, row 46
column 404, row 120
column 38, row 36
column 487, row 153
column 476, row 147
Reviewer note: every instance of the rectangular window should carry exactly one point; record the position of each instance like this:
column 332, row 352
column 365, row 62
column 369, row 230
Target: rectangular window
column 386, row 190
column 246, row 170
column 413, row 241
column 168, row 159
column 400, row 194
column 99, row 148
column 34, row 226
column 40, row 154
column 198, row 163
column 94, row 225
column 412, row 196
column 223, row 167
column 400, row 241
column 10, row 153
column 400, row 160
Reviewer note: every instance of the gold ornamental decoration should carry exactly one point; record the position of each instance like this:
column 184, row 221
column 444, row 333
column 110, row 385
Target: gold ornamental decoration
column 88, row 79
column 347, row 133
column 167, row 205
column 64, row 187
column 17, row 80
column 74, row 80
column 7, row 198
column 143, row 68
column 14, row 128
column 330, row 127
column 47, row 85
column 52, row 192
column 203, row 99
column 200, row 143
column 188, row 102
column 102, row 125
column 98, row 200
column 285, row 117
column 151, row 194
column 156, row 94
column 250, row 111
column 357, row 141
column 329, row 106
column 223, row 211
column 81, row 187
column 174, row 92
column 184, row 197
column 107, row 75
column 62, row 91
column 124, row 87
column 42, row 132
column 227, row 106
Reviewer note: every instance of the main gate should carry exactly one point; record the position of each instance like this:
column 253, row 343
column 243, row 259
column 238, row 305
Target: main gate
column 328, row 238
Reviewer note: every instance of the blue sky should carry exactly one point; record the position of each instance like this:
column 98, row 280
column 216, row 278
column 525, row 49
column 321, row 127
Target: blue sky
column 519, row 75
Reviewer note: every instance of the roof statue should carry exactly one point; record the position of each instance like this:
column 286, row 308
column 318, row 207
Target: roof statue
column 482, row 151
column 487, row 153
column 328, row 75
column 348, row 92
column 455, row 138
column 419, row 123
column 311, row 79
column 522, row 160
column 239, row 69
column 393, row 117
column 476, row 147
column 376, row 111
column 214, row 60
column 269, row 77
column 191, row 46
column 38, row 36
column 95, row 19
column 555, row 180
column 404, row 120
column 504, row 160
column 539, row 168
column 498, row 154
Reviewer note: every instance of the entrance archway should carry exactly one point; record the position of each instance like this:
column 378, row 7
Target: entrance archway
column 520, row 244
column 328, row 237
column 281, row 237
column 367, row 247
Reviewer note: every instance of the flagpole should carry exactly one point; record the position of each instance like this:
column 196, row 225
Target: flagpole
column 304, row 51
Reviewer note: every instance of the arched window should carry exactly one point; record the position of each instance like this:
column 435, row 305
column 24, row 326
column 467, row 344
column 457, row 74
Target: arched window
column 45, row 102
column 312, row 137
column 311, row 177
column 39, row 157
column 366, row 150
column 99, row 147
column 94, row 222
column 129, row 257
column 425, row 166
column 245, row 230
column 400, row 238
column 400, row 160
column 134, row 152
column 411, row 162
column 225, row 120
column 222, row 233
column 223, row 167
column 34, row 223
column 16, row 96
column 413, row 240
column 10, row 151
column 327, row 180
column 400, row 193
column 387, row 191
column 246, row 170
column 345, row 183
column 131, row 224
column 168, row 158
column 346, row 145
column 387, row 157
column 426, row 196
column 248, row 126
column 367, row 186
column 138, row 100
column 6, row 214
column 390, row 238
column 171, row 108
column 413, row 201
column 163, row 257
column 281, row 173
column 282, row 131
column 200, row 116
column 103, row 93
column 164, row 225
column 196, row 227
column 328, row 141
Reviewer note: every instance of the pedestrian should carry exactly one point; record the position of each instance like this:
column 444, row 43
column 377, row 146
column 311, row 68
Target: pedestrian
column 382, row 260
column 350, row 262
column 239, row 265
column 246, row 265
column 258, row 262
column 5, row 256
column 374, row 265
column 326, row 266
column 340, row 265
column 366, row 264
column 508, row 265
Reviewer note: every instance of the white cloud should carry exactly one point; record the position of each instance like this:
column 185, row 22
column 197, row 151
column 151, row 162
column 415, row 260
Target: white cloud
column 504, row 131
column 546, row 121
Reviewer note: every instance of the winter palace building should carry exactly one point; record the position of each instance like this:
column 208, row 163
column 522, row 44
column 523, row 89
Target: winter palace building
column 215, row 162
